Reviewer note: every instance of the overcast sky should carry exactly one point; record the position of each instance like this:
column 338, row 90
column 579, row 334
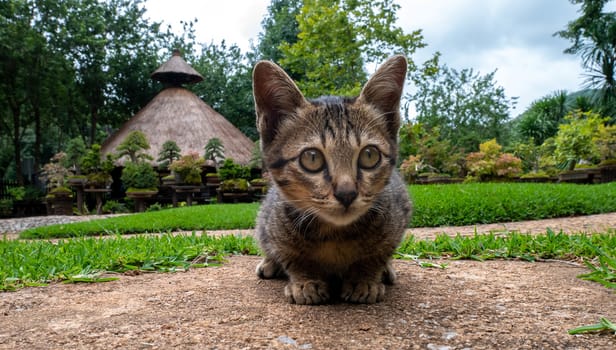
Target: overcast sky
column 514, row 37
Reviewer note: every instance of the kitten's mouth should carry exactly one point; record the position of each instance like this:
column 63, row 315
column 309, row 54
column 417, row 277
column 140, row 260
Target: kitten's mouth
column 341, row 216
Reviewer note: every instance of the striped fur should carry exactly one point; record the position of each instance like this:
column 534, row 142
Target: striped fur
column 337, row 208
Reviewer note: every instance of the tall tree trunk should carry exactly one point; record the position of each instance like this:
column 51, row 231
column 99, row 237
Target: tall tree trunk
column 37, row 138
column 93, row 122
column 16, row 110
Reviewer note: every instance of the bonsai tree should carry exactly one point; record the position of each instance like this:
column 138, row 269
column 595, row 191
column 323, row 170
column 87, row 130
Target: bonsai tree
column 98, row 170
column 134, row 146
column 188, row 168
column 170, row 151
column 75, row 150
column 233, row 177
column 214, row 150
column 55, row 173
column 138, row 175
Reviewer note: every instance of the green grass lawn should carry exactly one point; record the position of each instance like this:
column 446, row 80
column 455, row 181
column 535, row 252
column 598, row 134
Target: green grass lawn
column 434, row 205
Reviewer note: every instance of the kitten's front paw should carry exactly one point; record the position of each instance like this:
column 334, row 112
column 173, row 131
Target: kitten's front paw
column 363, row 292
column 307, row 292
column 269, row 268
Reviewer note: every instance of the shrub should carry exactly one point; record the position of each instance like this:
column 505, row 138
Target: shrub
column 18, row 193
column 139, row 176
column 170, row 151
column 508, row 165
column 188, row 168
column 230, row 170
column 6, row 207
column 114, row 207
column 410, row 167
column 54, row 173
column 234, row 185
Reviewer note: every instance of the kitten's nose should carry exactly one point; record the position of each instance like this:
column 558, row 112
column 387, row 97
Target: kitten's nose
column 345, row 193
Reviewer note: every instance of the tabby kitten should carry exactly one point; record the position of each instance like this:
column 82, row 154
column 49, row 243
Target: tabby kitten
column 337, row 208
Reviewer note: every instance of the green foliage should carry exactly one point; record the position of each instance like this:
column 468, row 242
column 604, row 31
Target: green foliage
column 85, row 259
column 489, row 161
column 234, row 185
column 482, row 203
column 188, row 168
column 511, row 245
column 540, row 121
column 214, row 150
column 279, row 26
column 169, row 152
column 98, row 171
column 75, row 150
column 114, row 207
column 229, row 87
column 54, row 174
column 196, row 217
column 231, row 170
column 134, row 146
column 337, row 38
column 92, row 161
column 603, row 325
column 6, row 207
column 139, row 176
column 17, row 193
column 575, row 140
column 593, row 38
column 468, row 108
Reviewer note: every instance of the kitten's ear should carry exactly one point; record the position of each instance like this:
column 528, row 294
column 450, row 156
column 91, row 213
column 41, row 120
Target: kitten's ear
column 276, row 96
column 384, row 89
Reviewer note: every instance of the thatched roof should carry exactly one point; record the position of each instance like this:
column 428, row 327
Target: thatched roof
column 179, row 115
column 176, row 72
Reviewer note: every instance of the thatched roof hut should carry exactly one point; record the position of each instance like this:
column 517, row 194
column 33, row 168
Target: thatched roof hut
column 179, row 115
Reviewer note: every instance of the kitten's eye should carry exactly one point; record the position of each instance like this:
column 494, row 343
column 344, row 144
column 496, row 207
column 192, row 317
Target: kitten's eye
column 312, row 160
column 369, row 157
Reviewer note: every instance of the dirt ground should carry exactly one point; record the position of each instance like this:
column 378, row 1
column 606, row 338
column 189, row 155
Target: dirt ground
column 468, row 305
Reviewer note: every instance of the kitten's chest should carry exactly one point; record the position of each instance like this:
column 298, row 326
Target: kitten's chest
column 337, row 253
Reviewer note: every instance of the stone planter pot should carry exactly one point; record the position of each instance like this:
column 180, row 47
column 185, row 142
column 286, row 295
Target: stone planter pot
column 608, row 173
column 579, row 176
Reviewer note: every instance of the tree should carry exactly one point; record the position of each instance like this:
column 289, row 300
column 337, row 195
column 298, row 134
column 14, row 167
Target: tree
column 467, row 107
column 540, row 121
column 593, row 37
column 214, row 150
column 228, row 87
column 337, row 38
column 169, row 152
column 279, row 26
column 575, row 140
column 134, row 146
column 102, row 39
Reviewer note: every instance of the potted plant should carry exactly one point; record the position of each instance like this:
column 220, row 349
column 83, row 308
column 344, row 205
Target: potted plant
column 59, row 197
column 138, row 176
column 169, row 152
column 97, row 170
column 233, row 181
column 214, row 151
column 188, row 169
column 75, row 150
